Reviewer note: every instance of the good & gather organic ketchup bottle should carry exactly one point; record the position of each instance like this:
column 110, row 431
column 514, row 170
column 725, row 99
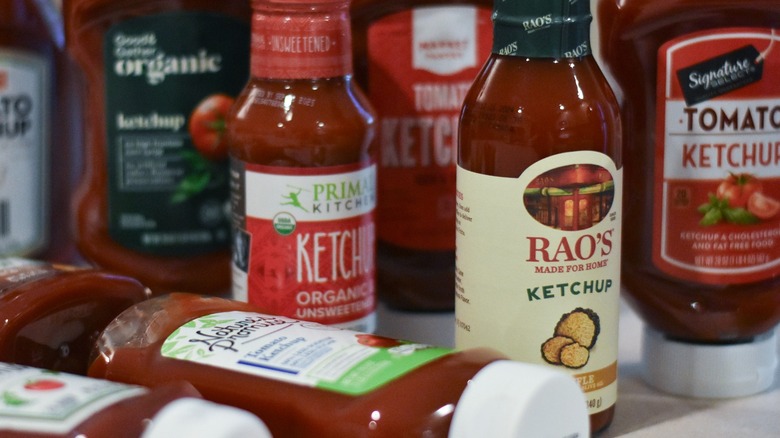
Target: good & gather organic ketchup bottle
column 35, row 133
column 306, row 379
column 539, row 194
column 701, row 116
column 417, row 59
column 40, row 403
column 302, row 170
column 50, row 315
column 160, row 76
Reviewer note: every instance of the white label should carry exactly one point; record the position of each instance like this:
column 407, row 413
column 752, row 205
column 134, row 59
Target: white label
column 24, row 91
column 444, row 39
column 538, row 267
column 38, row 401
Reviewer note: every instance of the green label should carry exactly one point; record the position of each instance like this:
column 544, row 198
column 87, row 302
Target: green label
column 298, row 352
column 170, row 79
column 542, row 28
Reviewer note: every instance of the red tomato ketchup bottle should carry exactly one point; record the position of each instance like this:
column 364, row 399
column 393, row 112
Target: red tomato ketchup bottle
column 50, row 315
column 303, row 175
column 306, row 379
column 701, row 116
column 35, row 133
column 539, row 201
column 160, row 75
column 39, row 403
column 417, row 59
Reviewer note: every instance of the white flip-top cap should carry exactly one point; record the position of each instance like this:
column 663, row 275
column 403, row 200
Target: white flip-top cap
column 196, row 418
column 707, row 370
column 512, row 399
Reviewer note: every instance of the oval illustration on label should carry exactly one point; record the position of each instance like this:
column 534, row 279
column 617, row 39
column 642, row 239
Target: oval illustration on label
column 570, row 198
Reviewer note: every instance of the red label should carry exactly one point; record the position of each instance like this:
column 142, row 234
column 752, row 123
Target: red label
column 421, row 64
column 717, row 177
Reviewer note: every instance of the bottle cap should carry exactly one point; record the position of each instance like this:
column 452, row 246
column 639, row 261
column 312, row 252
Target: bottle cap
column 194, row 417
column 709, row 370
column 513, row 399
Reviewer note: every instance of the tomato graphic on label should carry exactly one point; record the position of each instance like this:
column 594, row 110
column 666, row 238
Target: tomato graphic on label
column 377, row 341
column 43, row 385
column 737, row 189
column 207, row 126
column 763, row 206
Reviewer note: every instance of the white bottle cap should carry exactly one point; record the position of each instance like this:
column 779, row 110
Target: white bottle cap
column 196, row 418
column 512, row 399
column 709, row 370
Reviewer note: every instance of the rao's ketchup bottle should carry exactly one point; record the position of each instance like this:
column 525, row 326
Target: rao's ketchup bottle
column 417, row 59
column 701, row 117
column 305, row 379
column 302, row 170
column 160, row 77
column 539, row 201
column 39, row 403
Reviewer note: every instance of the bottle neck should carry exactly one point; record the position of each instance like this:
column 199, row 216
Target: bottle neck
column 542, row 28
column 301, row 41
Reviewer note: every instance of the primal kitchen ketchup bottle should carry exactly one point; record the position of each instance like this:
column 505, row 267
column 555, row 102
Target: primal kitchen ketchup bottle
column 160, row 77
column 303, row 176
column 702, row 127
column 39, row 403
column 417, row 59
column 539, row 193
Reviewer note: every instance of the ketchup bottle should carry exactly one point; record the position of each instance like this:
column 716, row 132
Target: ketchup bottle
column 702, row 124
column 417, row 59
column 539, row 201
column 160, row 76
column 35, row 133
column 52, row 314
column 303, row 175
column 38, row 403
column 306, row 379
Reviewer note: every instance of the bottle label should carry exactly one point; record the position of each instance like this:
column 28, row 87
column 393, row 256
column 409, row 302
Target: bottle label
column 170, row 79
column 298, row 352
column 48, row 402
column 24, row 149
column 717, row 186
column 421, row 64
column 538, row 267
column 304, row 242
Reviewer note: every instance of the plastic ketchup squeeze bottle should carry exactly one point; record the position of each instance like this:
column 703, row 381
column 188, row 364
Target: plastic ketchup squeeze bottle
column 50, row 315
column 39, row 403
column 417, row 59
column 160, row 75
column 303, row 175
column 539, row 201
column 701, row 116
column 35, row 133
column 307, row 379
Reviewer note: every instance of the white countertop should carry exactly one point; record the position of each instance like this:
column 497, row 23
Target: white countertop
column 641, row 410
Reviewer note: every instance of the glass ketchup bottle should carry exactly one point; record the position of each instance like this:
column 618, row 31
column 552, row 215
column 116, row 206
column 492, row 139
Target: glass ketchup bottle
column 701, row 118
column 160, row 76
column 50, row 315
column 539, row 201
column 302, row 170
column 35, row 133
column 40, row 403
column 306, row 379
column 417, row 59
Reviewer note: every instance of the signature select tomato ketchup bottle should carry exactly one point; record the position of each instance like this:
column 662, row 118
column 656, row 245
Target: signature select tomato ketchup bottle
column 160, row 75
column 306, row 379
column 303, row 175
column 39, row 403
column 417, row 59
column 539, row 201
column 701, row 116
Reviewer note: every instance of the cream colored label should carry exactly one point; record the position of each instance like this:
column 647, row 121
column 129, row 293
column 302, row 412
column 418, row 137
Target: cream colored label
column 538, row 267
